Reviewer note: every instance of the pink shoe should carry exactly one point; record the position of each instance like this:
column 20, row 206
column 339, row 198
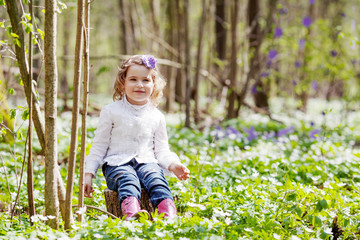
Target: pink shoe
column 131, row 208
column 167, row 206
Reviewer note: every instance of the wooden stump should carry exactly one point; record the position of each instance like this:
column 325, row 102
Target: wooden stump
column 112, row 202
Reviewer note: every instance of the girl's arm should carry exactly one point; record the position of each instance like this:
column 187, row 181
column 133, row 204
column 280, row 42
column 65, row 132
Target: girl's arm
column 100, row 143
column 167, row 159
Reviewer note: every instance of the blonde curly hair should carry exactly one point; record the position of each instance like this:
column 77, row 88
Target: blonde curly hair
column 119, row 85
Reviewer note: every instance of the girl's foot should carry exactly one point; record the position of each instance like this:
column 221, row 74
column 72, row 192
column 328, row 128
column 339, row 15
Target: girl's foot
column 167, row 206
column 131, row 208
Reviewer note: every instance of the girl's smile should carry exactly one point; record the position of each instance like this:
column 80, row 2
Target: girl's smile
column 139, row 84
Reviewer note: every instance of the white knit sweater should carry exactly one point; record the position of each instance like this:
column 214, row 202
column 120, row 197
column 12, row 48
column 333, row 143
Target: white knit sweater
column 127, row 131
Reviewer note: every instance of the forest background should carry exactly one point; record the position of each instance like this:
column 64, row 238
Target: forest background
column 224, row 61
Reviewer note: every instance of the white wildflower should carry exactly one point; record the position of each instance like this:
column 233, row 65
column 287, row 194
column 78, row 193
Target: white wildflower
column 228, row 221
column 293, row 237
column 194, row 205
column 328, row 231
column 96, row 235
column 81, row 210
column 103, row 217
column 276, row 236
column 160, row 234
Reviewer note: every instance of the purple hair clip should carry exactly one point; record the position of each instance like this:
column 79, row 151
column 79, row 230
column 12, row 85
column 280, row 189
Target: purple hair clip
column 149, row 61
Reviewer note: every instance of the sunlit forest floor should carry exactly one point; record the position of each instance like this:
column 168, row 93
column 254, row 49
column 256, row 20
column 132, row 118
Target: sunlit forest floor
column 251, row 178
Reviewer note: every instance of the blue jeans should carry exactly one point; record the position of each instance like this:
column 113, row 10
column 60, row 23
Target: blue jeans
column 127, row 180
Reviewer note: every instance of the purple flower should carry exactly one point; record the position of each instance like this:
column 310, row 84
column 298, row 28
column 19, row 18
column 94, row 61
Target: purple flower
column 314, row 85
column 254, row 89
column 343, row 14
column 272, row 54
column 268, row 63
column 311, row 2
column 333, row 53
column 353, row 61
column 264, row 74
column 251, row 132
column 294, row 83
column 269, row 135
column 323, row 113
column 278, row 32
column 297, row 64
column 285, row 131
column 231, row 130
column 301, row 44
column 283, row 11
column 313, row 133
column 149, row 61
column 312, row 123
column 306, row 21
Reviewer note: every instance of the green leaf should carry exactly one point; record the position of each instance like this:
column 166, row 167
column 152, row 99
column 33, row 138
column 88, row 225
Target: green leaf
column 2, row 2
column 322, row 204
column 11, row 91
column 21, row 82
column 12, row 113
column 14, row 35
column 25, row 114
column 357, row 155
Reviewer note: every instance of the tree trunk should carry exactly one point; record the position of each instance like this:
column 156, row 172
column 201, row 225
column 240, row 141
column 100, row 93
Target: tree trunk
column 304, row 76
column 64, row 78
column 220, row 43
column 51, row 166
column 199, row 61
column 220, row 29
column 180, row 83
column 126, row 29
column 14, row 13
column 187, row 64
column 85, row 104
column 231, row 112
column 170, row 90
column 254, row 47
column 30, row 173
column 75, row 114
column 154, row 9
column 122, row 27
column 113, row 206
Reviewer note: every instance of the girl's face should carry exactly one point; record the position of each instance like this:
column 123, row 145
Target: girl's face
column 139, row 84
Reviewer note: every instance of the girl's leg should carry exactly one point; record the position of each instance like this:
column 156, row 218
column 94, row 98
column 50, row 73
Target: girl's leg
column 153, row 180
column 124, row 180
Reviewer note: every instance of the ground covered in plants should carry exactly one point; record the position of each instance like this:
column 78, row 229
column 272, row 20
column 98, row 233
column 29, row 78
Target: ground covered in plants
column 251, row 178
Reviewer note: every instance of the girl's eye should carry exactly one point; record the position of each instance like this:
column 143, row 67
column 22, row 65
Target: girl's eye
column 132, row 79
column 146, row 80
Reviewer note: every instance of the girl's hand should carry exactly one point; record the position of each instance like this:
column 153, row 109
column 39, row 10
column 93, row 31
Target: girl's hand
column 179, row 170
column 88, row 189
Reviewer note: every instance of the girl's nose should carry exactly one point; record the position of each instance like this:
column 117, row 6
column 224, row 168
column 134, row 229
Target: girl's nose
column 139, row 83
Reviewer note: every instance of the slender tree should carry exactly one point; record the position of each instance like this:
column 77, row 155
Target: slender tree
column 231, row 112
column 13, row 9
column 30, row 174
column 187, row 64
column 199, row 60
column 85, row 103
column 180, row 77
column 51, row 166
column 75, row 114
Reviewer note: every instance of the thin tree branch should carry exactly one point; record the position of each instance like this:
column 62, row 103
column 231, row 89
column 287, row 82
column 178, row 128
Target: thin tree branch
column 98, row 209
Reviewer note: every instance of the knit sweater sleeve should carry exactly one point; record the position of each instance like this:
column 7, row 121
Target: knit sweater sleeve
column 100, row 143
column 162, row 151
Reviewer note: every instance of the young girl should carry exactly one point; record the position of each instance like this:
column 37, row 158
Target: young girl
column 131, row 142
